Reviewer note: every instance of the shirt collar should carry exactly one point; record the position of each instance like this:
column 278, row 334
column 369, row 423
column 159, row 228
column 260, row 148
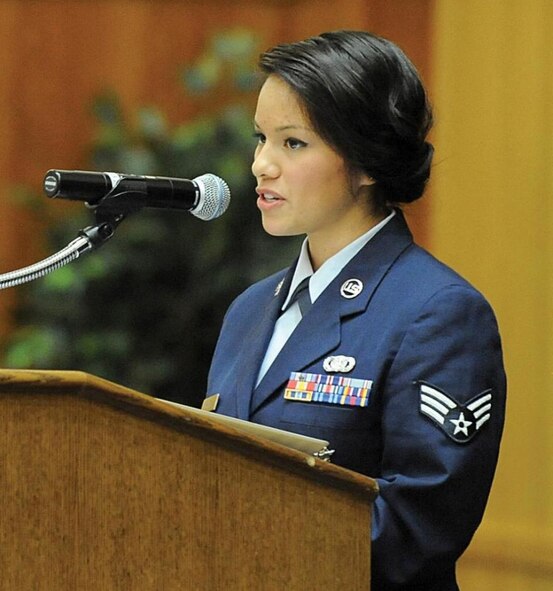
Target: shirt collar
column 330, row 269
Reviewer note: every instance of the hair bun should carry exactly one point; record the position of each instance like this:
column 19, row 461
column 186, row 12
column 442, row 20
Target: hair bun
column 408, row 183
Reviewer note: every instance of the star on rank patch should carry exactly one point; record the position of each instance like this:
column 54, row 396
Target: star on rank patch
column 460, row 422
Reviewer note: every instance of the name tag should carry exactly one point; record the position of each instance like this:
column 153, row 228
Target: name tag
column 314, row 387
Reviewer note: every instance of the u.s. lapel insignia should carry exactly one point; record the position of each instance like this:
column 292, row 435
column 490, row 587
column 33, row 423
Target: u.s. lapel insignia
column 278, row 287
column 460, row 422
column 338, row 364
column 351, row 288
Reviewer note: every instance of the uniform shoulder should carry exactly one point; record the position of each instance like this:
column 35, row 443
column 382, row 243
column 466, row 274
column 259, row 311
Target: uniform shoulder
column 418, row 278
column 431, row 270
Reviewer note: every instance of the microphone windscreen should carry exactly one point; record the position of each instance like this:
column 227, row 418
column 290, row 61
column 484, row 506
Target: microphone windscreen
column 214, row 197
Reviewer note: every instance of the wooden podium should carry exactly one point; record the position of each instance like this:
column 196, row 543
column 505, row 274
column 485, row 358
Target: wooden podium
column 103, row 488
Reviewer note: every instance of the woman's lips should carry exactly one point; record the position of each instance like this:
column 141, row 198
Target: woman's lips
column 268, row 199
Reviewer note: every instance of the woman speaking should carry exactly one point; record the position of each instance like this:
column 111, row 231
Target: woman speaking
column 341, row 125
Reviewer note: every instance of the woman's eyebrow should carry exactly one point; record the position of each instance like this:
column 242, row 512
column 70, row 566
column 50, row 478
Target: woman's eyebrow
column 285, row 127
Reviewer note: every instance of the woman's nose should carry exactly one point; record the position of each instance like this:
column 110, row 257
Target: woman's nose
column 264, row 164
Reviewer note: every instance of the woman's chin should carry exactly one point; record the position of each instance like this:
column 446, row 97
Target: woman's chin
column 278, row 229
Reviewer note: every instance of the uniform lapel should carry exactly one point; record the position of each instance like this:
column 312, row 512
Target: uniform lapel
column 254, row 346
column 319, row 332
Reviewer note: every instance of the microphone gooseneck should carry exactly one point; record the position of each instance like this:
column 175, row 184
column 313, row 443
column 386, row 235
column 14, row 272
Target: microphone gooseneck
column 113, row 197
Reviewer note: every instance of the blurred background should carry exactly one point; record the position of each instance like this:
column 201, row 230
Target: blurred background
column 166, row 87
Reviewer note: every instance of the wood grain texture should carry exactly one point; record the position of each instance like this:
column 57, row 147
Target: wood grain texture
column 103, row 488
column 56, row 56
column 492, row 221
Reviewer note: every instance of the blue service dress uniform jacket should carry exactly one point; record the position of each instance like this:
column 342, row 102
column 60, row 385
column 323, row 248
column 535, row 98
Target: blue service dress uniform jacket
column 430, row 433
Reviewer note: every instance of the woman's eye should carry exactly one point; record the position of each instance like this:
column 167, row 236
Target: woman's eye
column 294, row 143
column 260, row 138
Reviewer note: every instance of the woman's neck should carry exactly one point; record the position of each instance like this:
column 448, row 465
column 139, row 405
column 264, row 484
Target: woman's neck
column 321, row 248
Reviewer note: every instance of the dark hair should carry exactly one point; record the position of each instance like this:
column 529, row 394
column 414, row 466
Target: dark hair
column 364, row 98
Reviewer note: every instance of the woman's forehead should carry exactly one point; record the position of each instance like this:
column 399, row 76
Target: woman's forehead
column 279, row 107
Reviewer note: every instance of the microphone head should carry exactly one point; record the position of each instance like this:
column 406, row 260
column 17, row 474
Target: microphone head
column 214, row 197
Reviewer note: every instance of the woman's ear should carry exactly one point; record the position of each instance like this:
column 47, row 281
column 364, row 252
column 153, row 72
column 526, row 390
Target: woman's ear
column 362, row 183
column 365, row 181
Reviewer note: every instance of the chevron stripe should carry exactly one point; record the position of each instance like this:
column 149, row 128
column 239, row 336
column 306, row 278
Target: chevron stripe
column 451, row 404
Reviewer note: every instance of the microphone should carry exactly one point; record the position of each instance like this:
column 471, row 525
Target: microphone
column 207, row 196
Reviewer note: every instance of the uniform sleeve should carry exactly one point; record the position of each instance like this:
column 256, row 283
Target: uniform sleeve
column 442, row 405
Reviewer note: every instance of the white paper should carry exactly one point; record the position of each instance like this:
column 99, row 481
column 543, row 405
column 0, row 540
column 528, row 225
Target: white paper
column 308, row 445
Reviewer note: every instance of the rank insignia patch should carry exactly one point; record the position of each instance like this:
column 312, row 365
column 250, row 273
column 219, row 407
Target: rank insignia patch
column 461, row 422
column 314, row 387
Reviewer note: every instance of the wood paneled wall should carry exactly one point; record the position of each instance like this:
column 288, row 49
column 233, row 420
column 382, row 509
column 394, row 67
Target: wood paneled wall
column 57, row 55
column 493, row 220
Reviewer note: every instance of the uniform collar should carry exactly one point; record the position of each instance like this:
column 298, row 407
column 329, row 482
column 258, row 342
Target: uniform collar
column 330, row 269
column 320, row 330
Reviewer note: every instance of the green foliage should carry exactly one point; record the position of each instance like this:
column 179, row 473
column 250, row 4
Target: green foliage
column 145, row 310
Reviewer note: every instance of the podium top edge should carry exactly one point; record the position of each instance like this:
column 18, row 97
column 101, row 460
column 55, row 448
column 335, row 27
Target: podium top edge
column 102, row 391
